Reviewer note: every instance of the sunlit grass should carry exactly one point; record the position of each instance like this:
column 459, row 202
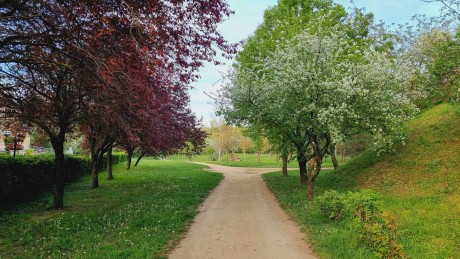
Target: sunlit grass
column 140, row 214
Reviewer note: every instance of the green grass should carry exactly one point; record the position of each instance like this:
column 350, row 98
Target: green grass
column 420, row 183
column 140, row 214
column 329, row 239
column 247, row 160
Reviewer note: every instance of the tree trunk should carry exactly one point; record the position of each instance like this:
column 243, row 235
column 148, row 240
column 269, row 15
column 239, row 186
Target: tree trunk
column 318, row 160
column 139, row 158
column 130, row 157
column 59, row 181
column 285, row 164
column 109, row 164
column 333, row 153
column 258, row 156
column 100, row 162
column 310, row 185
column 342, row 153
column 303, row 171
column 94, row 170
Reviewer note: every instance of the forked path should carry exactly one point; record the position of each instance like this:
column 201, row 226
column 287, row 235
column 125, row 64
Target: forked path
column 241, row 219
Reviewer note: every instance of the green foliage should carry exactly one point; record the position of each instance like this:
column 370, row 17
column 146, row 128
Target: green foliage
column 376, row 228
column 26, row 177
column 141, row 214
column 29, row 152
column 332, row 204
column 365, row 204
column 379, row 233
column 435, row 63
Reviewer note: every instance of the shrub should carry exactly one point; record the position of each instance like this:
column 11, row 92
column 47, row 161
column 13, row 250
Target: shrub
column 375, row 228
column 30, row 152
column 365, row 204
column 25, row 177
column 379, row 233
column 332, row 205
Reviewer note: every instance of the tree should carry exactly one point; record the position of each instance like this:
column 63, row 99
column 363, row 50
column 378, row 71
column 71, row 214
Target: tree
column 229, row 138
column 245, row 144
column 314, row 96
column 449, row 14
column 260, row 142
column 56, row 56
column 225, row 138
column 435, row 66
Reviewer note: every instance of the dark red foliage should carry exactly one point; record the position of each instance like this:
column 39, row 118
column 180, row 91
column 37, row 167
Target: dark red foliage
column 116, row 68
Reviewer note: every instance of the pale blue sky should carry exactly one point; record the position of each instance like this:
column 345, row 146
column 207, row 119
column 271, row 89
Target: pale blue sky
column 249, row 14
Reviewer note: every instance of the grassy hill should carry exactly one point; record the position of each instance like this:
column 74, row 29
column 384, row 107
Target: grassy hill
column 420, row 183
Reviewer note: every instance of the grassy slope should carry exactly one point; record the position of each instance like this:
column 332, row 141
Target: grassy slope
column 138, row 215
column 420, row 183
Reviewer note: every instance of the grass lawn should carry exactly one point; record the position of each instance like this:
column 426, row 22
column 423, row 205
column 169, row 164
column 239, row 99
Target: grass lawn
column 140, row 214
column 420, row 183
column 247, row 160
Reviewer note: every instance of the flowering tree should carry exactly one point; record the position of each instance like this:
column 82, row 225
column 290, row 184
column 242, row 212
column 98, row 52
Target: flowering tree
column 435, row 67
column 316, row 92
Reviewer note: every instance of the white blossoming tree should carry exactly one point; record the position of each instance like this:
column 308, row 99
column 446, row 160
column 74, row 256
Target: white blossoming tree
column 317, row 91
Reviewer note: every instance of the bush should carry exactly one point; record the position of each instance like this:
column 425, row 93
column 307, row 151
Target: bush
column 332, row 205
column 365, row 204
column 375, row 228
column 25, row 177
column 379, row 233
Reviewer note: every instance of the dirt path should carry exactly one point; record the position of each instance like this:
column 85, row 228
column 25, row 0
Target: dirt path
column 241, row 219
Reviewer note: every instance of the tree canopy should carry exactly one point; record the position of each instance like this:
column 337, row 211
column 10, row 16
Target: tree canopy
column 105, row 65
column 322, row 86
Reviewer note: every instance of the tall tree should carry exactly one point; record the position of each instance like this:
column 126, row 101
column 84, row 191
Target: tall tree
column 55, row 55
column 314, row 97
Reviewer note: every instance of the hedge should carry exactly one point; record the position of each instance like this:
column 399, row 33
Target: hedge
column 117, row 157
column 25, row 177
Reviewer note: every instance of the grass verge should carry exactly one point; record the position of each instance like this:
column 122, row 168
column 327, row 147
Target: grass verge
column 140, row 214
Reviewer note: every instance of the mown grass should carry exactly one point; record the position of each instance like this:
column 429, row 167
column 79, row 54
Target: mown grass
column 420, row 183
column 140, row 214
column 247, row 160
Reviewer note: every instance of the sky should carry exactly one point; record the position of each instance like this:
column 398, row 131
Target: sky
column 249, row 14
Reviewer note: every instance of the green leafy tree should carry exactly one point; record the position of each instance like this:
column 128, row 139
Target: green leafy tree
column 435, row 66
column 314, row 96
